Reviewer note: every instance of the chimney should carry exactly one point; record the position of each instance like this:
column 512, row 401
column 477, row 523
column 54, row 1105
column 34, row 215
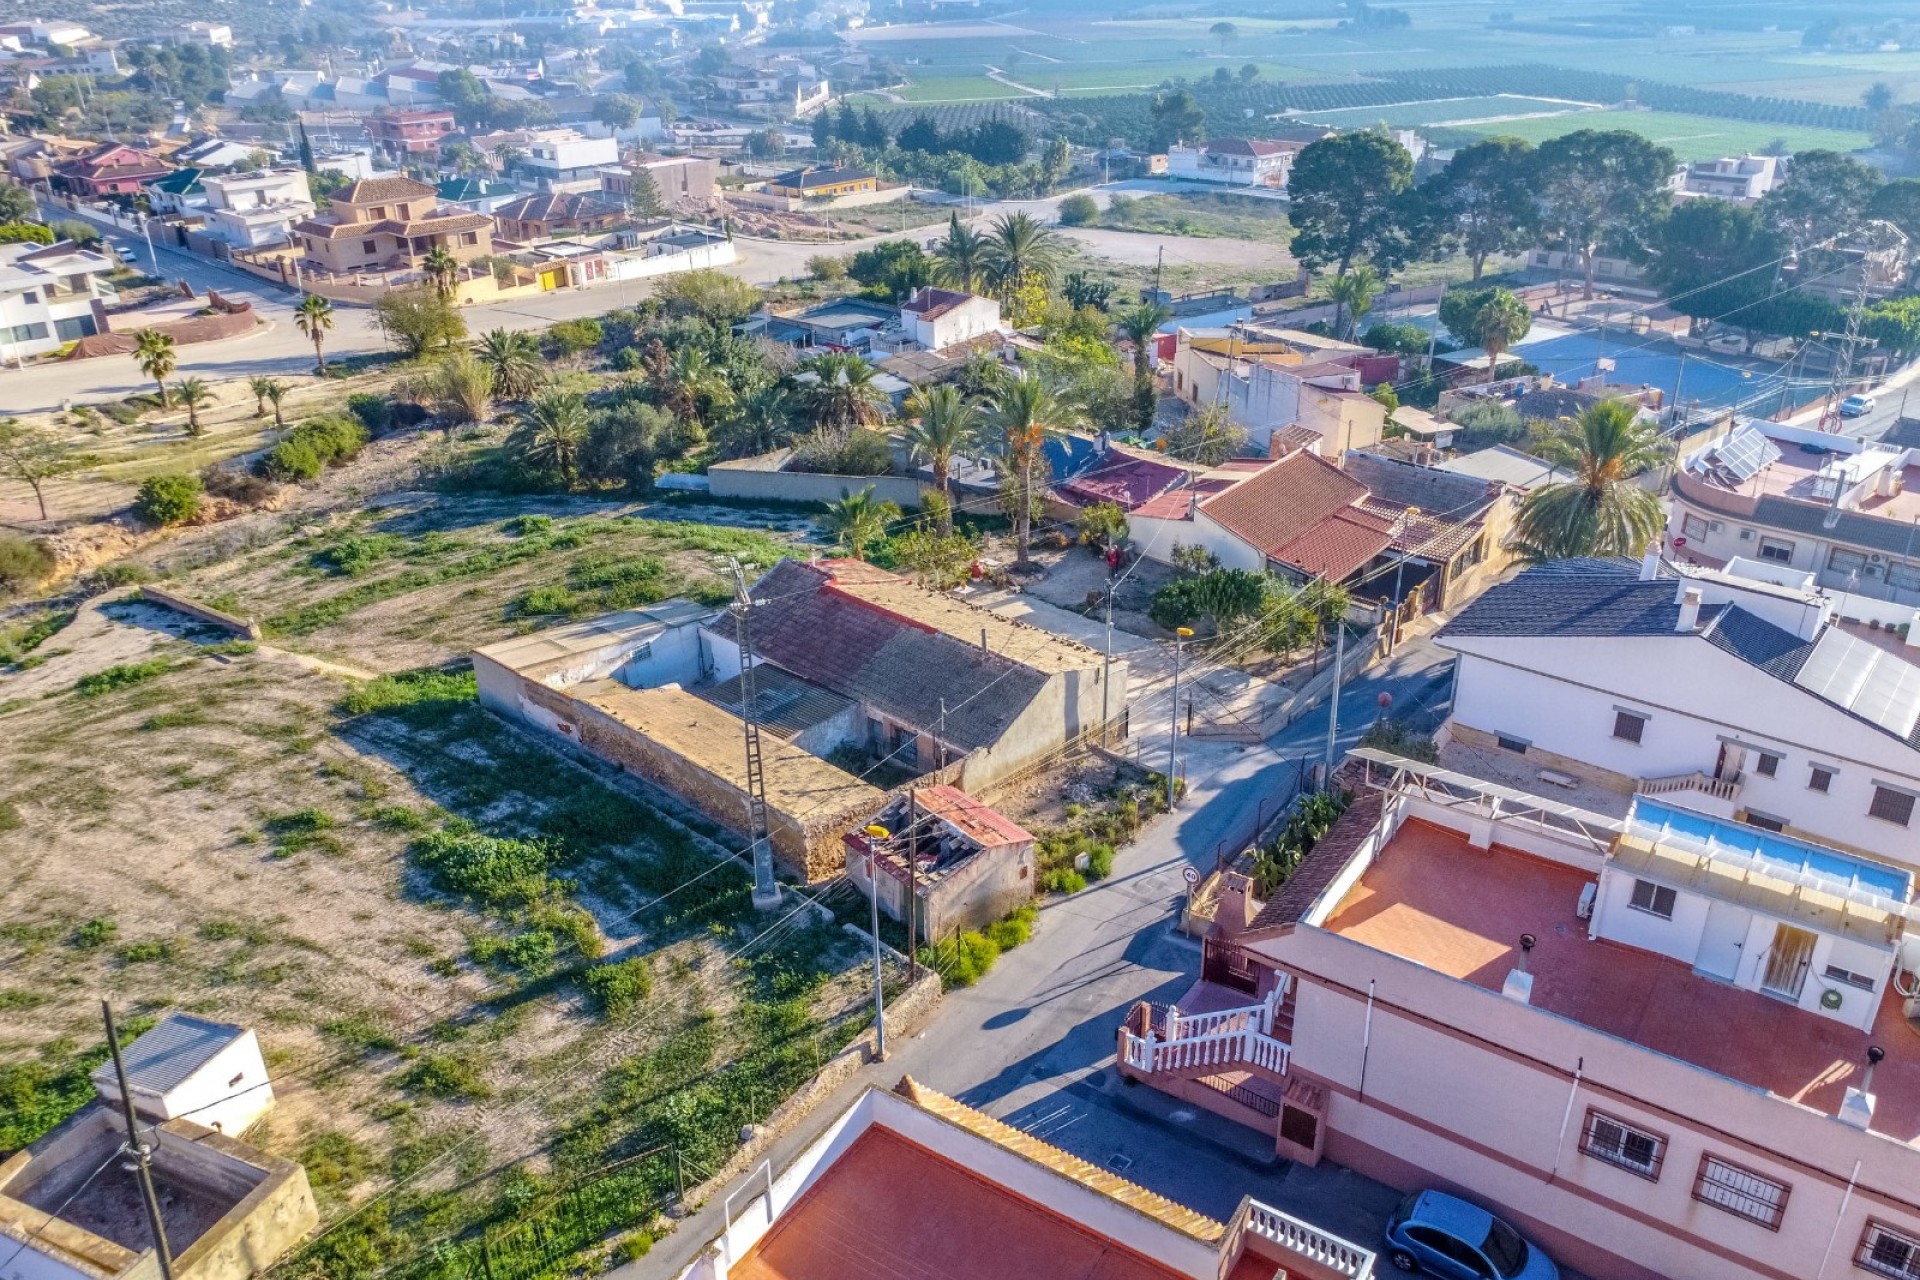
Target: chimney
column 1856, row 1108
column 1650, row 563
column 1519, row 983
column 1913, row 631
column 1689, row 611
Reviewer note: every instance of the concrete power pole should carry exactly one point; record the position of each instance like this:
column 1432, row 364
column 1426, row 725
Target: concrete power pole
column 140, row 1151
column 766, row 890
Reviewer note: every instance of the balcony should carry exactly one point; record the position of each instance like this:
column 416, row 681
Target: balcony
column 1727, row 789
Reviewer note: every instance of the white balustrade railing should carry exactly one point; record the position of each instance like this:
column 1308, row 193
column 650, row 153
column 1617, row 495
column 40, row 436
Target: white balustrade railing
column 1309, row 1242
column 1242, row 1045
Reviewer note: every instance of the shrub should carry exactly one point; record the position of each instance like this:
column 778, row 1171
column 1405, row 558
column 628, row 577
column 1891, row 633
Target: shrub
column 634, row 1247
column 974, row 954
column 860, row 452
column 1062, row 880
column 124, row 676
column 301, row 830
column 236, row 485
column 170, row 499
column 334, row 1159
column 374, row 412
column 571, row 337
column 97, row 932
column 1100, row 862
column 23, row 563
column 492, row 869
column 445, row 1075
column 363, row 1033
column 628, row 360
column 153, row 950
column 1079, row 211
column 521, row 526
column 619, row 986
column 1014, row 930
column 312, row 446
column 409, row 688
column 1386, row 734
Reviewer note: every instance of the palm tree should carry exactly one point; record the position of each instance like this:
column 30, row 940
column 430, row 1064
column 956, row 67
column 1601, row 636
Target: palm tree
column 1353, row 295
column 958, row 261
column 193, row 393
column 1018, row 251
column 154, row 352
column 314, row 315
column 688, row 382
column 1599, row 512
column 760, row 423
column 276, row 391
column 942, row 423
column 1138, row 324
column 261, row 388
column 514, row 357
column 856, row 521
column 442, row 269
column 1023, row 414
column 841, row 394
column 557, row 426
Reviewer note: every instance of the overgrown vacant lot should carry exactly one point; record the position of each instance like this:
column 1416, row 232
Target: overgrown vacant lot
column 495, row 987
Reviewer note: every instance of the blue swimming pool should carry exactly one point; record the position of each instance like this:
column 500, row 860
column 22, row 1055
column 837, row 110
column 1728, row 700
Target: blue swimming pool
column 1654, row 821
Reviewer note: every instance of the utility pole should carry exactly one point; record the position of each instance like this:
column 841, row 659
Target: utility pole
column 1159, row 264
column 1106, row 671
column 1173, row 716
column 913, row 887
column 1333, row 708
column 1877, row 240
column 766, row 891
column 138, row 1149
column 875, row 834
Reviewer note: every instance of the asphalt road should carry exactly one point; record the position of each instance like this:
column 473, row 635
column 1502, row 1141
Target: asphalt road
column 1033, row 1042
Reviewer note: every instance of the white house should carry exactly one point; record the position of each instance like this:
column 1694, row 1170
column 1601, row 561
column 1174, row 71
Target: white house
column 214, row 35
column 1268, row 383
column 49, row 295
column 1739, row 698
column 939, row 318
column 558, row 156
column 1742, row 179
column 1240, row 162
column 209, row 1072
column 252, row 210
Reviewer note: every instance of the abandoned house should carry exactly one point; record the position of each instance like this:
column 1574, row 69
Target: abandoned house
column 857, row 673
column 71, row 1207
column 965, row 865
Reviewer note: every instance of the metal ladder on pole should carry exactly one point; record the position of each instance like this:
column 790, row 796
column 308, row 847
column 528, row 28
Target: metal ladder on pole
column 766, row 891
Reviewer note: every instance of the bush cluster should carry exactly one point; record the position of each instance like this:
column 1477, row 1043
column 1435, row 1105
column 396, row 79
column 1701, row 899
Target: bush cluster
column 1277, row 860
column 170, row 499
column 619, row 986
column 313, row 446
column 494, row 870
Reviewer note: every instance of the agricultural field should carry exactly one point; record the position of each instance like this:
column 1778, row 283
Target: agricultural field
column 1446, row 111
column 1690, row 137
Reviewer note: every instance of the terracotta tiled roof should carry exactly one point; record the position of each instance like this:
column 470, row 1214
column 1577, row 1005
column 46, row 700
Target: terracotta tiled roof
column 1344, row 543
column 1125, row 477
column 934, row 303
column 375, row 190
column 1427, row 536
column 1323, row 863
column 557, row 206
column 1289, row 500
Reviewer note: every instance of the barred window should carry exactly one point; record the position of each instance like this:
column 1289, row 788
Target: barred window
column 1887, row 1252
column 1628, row 726
column 1892, row 806
column 1741, row 1192
column 1617, row 1142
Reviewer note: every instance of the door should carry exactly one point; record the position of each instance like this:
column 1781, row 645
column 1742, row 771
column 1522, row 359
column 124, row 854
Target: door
column 1732, row 760
column 1787, row 962
column 1721, row 941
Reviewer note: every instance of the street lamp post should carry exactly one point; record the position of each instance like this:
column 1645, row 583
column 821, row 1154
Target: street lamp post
column 1180, row 636
column 876, row 832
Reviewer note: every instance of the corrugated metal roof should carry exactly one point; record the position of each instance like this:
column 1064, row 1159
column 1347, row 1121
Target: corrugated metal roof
column 172, row 1051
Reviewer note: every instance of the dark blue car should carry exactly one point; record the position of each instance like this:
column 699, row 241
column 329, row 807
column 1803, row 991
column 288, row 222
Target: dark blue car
column 1443, row 1235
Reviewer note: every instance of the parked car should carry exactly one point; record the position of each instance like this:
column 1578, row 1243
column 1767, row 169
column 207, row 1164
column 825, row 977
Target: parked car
column 1445, row 1236
column 1856, row 406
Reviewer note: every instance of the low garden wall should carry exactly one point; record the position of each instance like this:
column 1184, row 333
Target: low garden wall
column 760, row 479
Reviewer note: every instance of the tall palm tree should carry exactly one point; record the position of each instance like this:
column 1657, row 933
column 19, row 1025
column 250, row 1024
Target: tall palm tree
column 1352, row 295
column 841, row 393
column 314, row 315
column 261, row 388
column 514, row 357
column 689, row 384
column 1138, row 324
column 157, row 357
column 1023, row 414
column 856, row 521
column 942, row 422
column 761, row 422
column 959, row 260
column 192, row 393
column 1018, row 250
column 557, row 427
column 442, row 269
column 275, row 392
column 1599, row 512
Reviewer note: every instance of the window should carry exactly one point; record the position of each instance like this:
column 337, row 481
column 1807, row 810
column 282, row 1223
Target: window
column 32, row 296
column 1904, row 576
column 1767, row 764
column 1655, row 899
column 1629, row 726
column 1516, row 745
column 1619, row 1143
column 1766, row 822
column 1847, row 976
column 471, row 237
column 1887, row 1252
column 1777, row 550
column 1820, row 779
column 1741, row 1192
column 1841, row 560
column 368, row 246
column 1891, row 806
column 1693, row 526
column 29, row 332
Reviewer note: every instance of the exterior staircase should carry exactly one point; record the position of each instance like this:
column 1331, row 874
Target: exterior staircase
column 1705, row 783
column 1196, row 1046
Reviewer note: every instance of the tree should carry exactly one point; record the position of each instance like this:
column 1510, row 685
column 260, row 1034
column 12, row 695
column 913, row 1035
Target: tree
column 940, row 423
column 35, row 455
column 1899, row 203
column 922, row 134
column 261, row 387
column 1083, row 293
column 442, row 270
column 1485, row 197
column 1879, row 97
column 838, row 393
column 1825, row 194
column 616, row 110
column 1177, row 118
column 1020, row 251
column 169, row 499
column 1024, row 412
column 1492, row 319
column 686, row 382
column 892, row 269
column 1602, row 189
column 1207, row 435
column 1249, row 73
column 1223, row 33
column 643, row 201
column 513, row 357
column 1715, row 259
column 857, row 521
column 16, row 202
column 419, row 321
column 276, row 392
column 306, row 149
column 556, row 428
column 959, row 261
column 1079, row 210
column 1353, row 295
column 192, row 392
column 1346, row 202
column 466, row 97
column 1140, row 323
column 314, row 316
column 1599, row 512
column 1056, row 160
column 154, row 352
column 823, row 129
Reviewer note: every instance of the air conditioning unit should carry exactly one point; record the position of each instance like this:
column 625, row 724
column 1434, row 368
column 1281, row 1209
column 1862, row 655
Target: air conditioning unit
column 1588, row 892
column 1875, row 558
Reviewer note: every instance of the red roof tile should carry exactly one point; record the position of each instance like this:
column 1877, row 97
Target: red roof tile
column 1343, row 543
column 1285, row 502
column 1126, row 478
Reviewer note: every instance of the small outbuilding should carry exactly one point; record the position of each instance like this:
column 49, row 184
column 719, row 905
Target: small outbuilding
column 210, row 1072
column 965, row 865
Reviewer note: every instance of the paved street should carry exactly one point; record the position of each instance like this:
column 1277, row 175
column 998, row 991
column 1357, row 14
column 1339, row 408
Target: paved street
column 1033, row 1042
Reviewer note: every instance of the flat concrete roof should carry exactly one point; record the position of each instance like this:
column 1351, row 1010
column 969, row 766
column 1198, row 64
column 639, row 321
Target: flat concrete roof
column 531, row 654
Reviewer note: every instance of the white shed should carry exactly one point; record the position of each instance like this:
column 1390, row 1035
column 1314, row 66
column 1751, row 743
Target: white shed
column 209, row 1072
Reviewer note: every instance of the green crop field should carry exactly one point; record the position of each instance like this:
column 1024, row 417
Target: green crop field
column 951, row 88
column 1690, row 137
column 1446, row 111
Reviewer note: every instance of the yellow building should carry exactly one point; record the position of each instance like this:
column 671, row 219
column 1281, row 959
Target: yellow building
column 822, row 184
